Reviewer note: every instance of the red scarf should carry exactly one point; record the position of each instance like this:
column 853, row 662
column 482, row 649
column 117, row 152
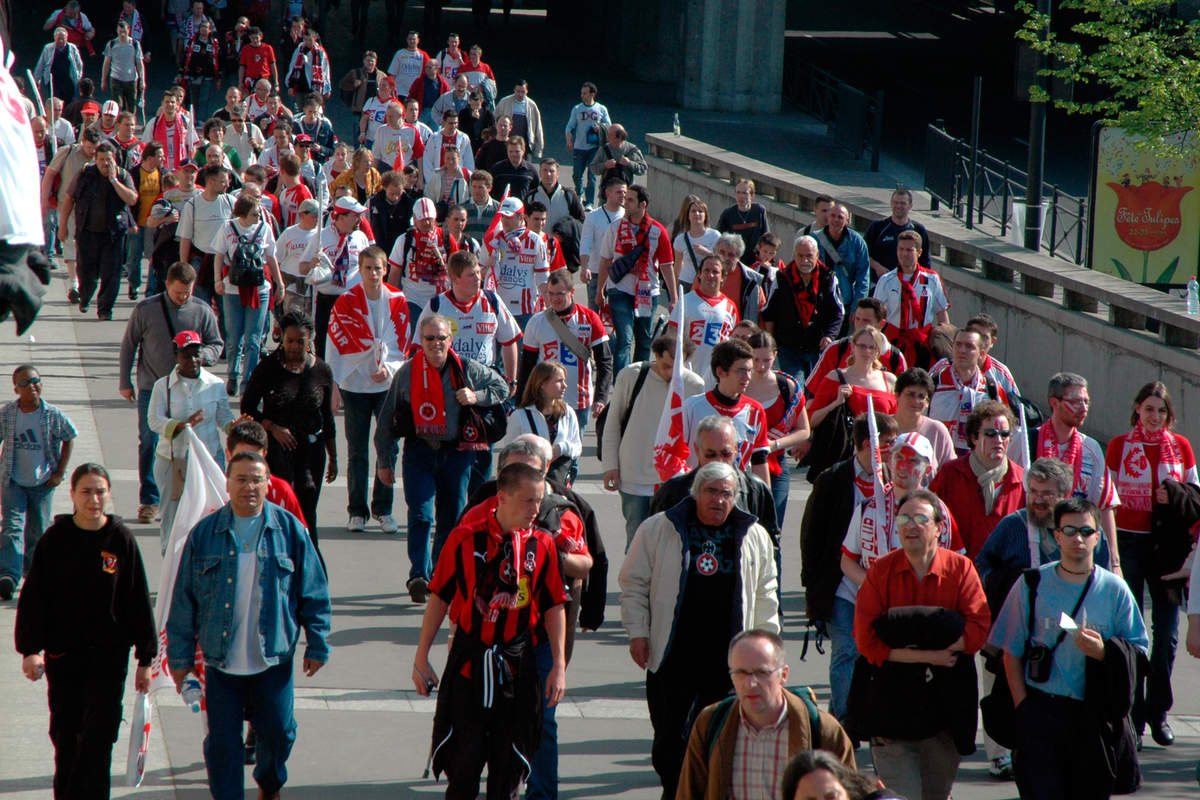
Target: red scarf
column 160, row 135
column 805, row 299
column 1135, row 483
column 912, row 331
column 426, row 396
column 1048, row 445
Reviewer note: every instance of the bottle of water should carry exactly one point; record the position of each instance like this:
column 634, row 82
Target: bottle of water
column 676, row 126
column 1193, row 296
column 193, row 691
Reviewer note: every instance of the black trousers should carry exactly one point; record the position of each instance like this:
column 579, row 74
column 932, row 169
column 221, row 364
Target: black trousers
column 99, row 259
column 675, row 694
column 304, row 469
column 1057, row 757
column 321, row 320
column 479, row 739
column 84, row 691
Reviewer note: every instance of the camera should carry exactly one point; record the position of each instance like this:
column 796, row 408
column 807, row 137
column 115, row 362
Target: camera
column 1039, row 661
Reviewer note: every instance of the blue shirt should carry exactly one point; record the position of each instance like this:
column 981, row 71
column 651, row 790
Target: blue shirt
column 1007, row 547
column 1108, row 609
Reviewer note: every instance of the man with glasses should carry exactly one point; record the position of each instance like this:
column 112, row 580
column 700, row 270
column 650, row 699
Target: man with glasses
column 1059, row 437
column 674, row 597
column 754, row 734
column 1060, row 738
column 916, row 740
column 1024, row 539
column 984, row 486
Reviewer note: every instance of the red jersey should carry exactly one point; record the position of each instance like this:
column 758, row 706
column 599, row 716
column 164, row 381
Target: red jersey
column 290, row 198
column 257, row 61
column 487, row 595
column 281, row 494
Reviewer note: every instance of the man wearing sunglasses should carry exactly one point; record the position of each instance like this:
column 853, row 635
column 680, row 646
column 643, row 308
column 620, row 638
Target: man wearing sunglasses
column 37, row 439
column 984, row 486
column 1071, row 678
column 1060, row 437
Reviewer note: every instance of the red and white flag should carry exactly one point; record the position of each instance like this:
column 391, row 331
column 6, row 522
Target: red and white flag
column 494, row 230
column 670, row 449
column 203, row 493
column 881, row 504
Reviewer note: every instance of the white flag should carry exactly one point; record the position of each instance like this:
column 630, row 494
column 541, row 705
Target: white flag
column 203, row 493
column 1018, row 451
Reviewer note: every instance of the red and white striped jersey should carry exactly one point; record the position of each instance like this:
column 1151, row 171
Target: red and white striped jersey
column 541, row 338
column 519, row 265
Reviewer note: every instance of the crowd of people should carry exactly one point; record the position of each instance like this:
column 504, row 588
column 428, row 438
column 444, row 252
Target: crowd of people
column 426, row 277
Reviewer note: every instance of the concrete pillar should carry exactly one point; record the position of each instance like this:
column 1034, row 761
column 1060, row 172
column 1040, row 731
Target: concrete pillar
column 731, row 55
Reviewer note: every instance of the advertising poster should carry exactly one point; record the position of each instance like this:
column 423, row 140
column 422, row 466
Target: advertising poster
column 1145, row 221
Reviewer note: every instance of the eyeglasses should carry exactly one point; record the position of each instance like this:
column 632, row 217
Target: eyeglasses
column 759, row 675
column 720, row 494
column 1050, row 494
column 1071, row 531
column 915, row 519
column 993, row 434
column 435, row 338
column 34, row 381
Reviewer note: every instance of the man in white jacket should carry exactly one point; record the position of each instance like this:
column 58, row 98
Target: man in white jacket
column 526, row 117
column 679, row 625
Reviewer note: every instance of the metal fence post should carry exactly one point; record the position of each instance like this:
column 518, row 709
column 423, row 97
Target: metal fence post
column 1079, row 234
column 877, row 134
column 1053, row 219
column 1004, row 210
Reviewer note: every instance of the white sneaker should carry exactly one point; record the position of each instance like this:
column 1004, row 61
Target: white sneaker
column 387, row 523
column 356, row 524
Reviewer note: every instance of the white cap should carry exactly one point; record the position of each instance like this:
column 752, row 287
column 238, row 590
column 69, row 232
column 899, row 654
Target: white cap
column 915, row 442
column 424, row 209
column 110, row 107
column 511, row 207
column 349, row 204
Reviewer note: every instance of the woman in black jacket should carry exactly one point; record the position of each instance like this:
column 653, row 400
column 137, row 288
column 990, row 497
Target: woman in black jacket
column 84, row 604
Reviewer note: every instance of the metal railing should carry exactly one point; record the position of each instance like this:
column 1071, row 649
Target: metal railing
column 853, row 117
column 985, row 197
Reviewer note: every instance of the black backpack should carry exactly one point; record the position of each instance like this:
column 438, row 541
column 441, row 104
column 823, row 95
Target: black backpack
column 246, row 264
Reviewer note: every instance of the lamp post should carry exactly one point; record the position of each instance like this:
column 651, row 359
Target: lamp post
column 1037, row 140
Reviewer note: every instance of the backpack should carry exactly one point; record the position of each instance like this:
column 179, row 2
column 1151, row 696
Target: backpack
column 1033, row 414
column 246, row 263
column 569, row 232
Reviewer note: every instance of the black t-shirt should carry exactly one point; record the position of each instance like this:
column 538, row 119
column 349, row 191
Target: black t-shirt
column 881, row 241
column 709, row 601
column 749, row 225
column 299, row 401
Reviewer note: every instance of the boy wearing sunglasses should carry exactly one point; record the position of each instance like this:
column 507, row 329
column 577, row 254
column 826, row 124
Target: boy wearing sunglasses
column 36, row 447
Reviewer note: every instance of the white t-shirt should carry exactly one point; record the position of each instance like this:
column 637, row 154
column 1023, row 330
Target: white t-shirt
column 389, row 141
column 225, row 243
column 20, row 184
column 343, row 254
column 541, row 338
column 290, row 248
column 479, row 328
column 708, row 321
column 375, row 112
column 928, row 289
column 595, row 226
column 202, row 219
column 683, row 256
column 245, row 654
column 406, row 66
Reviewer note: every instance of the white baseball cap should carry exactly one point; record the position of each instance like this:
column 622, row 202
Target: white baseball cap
column 511, row 207
column 424, row 209
column 110, row 107
column 350, row 205
column 915, row 442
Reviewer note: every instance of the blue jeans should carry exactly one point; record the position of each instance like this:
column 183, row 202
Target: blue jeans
column 635, row 508
column 797, row 363
column 481, row 470
column 779, row 493
column 244, row 325
column 581, row 160
column 543, row 769
column 269, row 699
column 843, row 654
column 26, row 514
column 632, row 333
column 435, row 489
column 1152, row 697
column 147, row 443
column 136, row 245
column 360, row 408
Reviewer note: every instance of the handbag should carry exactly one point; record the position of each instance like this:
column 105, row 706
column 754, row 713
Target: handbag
column 832, row 440
column 478, row 426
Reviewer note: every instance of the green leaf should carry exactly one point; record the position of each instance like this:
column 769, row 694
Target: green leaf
column 1121, row 269
column 1169, row 272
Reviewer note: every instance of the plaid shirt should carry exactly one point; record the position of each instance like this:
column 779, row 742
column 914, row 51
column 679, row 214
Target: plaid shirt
column 759, row 757
column 56, row 429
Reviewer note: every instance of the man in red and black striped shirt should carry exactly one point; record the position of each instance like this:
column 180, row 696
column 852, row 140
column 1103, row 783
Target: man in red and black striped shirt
column 500, row 582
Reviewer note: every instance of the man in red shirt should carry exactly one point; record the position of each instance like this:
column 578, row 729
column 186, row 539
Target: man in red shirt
column 499, row 579
column 924, row 762
column 257, row 61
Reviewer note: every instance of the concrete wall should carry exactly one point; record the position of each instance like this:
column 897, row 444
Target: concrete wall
column 1038, row 335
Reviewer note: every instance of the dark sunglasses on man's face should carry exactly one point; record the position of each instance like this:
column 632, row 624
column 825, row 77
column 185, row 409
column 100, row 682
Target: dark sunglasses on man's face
column 1071, row 531
column 29, row 382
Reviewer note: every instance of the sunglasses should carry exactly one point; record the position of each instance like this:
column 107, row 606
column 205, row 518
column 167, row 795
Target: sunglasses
column 1071, row 531
column 917, row 519
column 435, row 338
column 29, row 382
column 994, row 434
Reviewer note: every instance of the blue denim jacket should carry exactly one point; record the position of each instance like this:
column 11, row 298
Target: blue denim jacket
column 294, row 592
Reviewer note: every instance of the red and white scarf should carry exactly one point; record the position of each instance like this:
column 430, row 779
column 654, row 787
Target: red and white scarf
column 954, row 399
column 177, row 151
column 427, row 264
column 876, row 539
column 357, row 341
column 1135, row 484
column 912, row 331
column 1048, row 447
column 426, row 395
column 805, row 298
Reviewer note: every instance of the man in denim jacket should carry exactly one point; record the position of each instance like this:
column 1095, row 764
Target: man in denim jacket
column 249, row 560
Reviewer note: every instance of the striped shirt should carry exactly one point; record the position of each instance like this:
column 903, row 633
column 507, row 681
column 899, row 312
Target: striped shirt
column 759, row 756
